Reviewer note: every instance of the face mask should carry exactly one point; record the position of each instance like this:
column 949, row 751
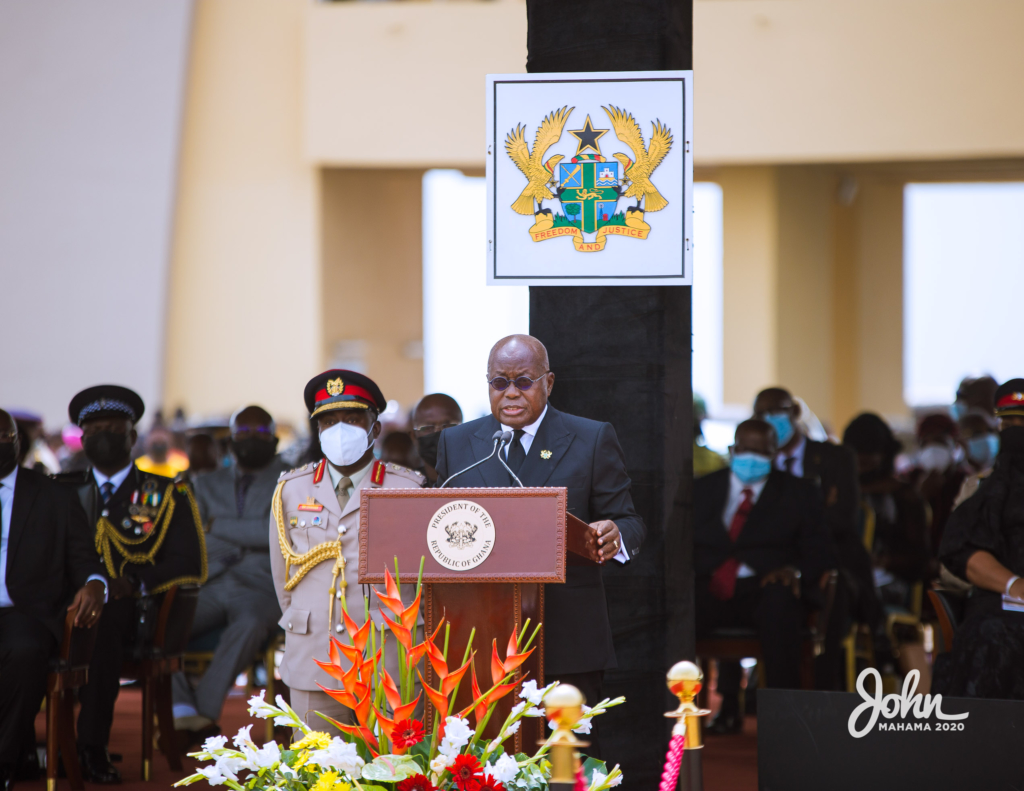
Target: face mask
column 427, row 447
column 750, row 467
column 981, row 450
column 783, row 425
column 1011, row 440
column 344, row 444
column 106, row 448
column 253, row 453
column 935, row 458
column 8, row 457
column 958, row 410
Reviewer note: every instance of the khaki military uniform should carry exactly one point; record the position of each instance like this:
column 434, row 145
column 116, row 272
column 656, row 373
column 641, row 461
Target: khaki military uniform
column 305, row 515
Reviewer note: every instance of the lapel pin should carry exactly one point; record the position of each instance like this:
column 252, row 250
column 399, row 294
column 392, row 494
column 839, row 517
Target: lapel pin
column 294, row 521
column 545, row 454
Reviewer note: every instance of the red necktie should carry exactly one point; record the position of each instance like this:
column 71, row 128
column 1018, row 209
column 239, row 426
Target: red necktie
column 723, row 581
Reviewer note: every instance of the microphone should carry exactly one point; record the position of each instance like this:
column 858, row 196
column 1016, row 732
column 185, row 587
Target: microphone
column 499, row 436
column 505, row 438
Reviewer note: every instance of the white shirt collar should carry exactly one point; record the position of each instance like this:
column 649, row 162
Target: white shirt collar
column 116, row 479
column 534, row 427
column 736, row 486
column 355, row 477
column 11, row 479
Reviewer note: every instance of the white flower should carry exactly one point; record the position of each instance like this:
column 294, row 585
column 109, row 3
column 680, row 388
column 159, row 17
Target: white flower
column 597, row 779
column 440, row 763
column 215, row 743
column 583, row 726
column 243, row 737
column 518, row 709
column 268, row 756
column 212, row 774
column 457, row 734
column 338, row 755
column 511, row 729
column 258, row 707
column 229, row 764
column 531, row 693
column 616, row 781
column 504, row 769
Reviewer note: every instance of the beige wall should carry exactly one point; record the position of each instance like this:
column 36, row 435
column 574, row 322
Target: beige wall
column 244, row 318
column 372, row 296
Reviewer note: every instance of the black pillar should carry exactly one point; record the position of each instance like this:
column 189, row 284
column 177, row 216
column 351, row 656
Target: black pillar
column 622, row 354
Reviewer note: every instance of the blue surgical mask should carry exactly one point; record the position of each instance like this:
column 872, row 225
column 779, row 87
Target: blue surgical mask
column 783, row 425
column 750, row 467
column 981, row 450
column 957, row 410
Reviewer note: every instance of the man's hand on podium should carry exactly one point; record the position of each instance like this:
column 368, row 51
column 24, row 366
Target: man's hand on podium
column 604, row 540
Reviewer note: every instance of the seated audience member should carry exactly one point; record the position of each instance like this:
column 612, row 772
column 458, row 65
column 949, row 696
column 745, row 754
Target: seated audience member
column 900, row 547
column 938, row 472
column 757, row 533
column 432, row 415
column 397, row 448
column 49, row 555
column 833, row 469
column 979, row 435
column 705, row 460
column 984, row 544
column 238, row 597
column 203, row 454
column 162, row 458
column 143, row 526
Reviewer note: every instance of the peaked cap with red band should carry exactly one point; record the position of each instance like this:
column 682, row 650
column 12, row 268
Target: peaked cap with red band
column 1010, row 398
column 341, row 389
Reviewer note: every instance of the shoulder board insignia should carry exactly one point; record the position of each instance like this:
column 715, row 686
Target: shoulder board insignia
column 318, row 475
column 377, row 474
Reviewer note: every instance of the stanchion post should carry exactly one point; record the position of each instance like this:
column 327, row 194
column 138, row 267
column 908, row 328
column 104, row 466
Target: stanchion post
column 564, row 705
column 685, row 680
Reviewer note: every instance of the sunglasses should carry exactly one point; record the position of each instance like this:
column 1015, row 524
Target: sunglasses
column 522, row 383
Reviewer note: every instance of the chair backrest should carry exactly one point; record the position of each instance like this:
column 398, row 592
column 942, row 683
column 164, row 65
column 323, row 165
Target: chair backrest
column 947, row 620
column 77, row 644
column 174, row 623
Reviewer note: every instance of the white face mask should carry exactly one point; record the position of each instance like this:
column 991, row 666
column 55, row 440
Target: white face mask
column 935, row 458
column 344, row 444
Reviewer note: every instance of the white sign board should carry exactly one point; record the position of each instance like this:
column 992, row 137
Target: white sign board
column 590, row 178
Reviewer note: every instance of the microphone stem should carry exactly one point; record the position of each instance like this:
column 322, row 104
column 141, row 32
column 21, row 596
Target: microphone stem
column 471, row 466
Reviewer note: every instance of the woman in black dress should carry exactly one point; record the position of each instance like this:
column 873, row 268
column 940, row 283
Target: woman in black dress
column 984, row 544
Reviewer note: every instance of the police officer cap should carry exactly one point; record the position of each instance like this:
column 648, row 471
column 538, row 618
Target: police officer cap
column 340, row 389
column 1010, row 398
column 106, row 401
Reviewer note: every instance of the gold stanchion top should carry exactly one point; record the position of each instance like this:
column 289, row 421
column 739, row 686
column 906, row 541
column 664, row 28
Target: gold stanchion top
column 564, row 705
column 685, row 680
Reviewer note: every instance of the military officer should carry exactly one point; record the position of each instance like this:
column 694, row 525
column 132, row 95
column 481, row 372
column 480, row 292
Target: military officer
column 149, row 538
column 314, row 526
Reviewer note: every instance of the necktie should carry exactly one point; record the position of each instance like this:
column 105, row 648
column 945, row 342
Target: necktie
column 106, row 491
column 241, row 489
column 723, row 581
column 342, row 491
column 789, row 462
column 516, row 452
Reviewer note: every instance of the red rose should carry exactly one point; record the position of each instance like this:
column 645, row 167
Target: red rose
column 407, row 733
column 416, row 783
column 467, row 772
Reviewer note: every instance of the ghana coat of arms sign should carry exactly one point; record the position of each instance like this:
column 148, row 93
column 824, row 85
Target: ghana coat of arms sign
column 590, row 178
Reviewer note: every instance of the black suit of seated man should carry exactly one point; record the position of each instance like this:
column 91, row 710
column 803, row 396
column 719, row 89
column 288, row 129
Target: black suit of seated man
column 552, row 448
column 48, row 557
column 757, row 533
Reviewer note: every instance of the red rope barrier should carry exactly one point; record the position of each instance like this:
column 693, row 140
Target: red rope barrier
column 673, row 760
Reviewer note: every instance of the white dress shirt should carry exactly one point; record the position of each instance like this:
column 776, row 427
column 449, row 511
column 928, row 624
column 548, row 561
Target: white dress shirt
column 526, row 440
column 797, row 455
column 116, row 479
column 7, row 506
column 732, row 505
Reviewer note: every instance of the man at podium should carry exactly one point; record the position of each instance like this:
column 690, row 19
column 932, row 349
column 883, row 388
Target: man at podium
column 551, row 448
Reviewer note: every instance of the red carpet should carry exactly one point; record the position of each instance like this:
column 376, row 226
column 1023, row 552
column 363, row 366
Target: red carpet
column 730, row 762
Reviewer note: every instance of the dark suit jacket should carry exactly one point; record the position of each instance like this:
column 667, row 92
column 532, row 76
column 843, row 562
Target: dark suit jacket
column 180, row 558
column 834, row 469
column 784, row 527
column 587, row 460
column 50, row 552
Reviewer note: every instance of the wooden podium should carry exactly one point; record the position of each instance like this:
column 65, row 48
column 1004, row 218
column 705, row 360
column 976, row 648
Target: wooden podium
column 488, row 553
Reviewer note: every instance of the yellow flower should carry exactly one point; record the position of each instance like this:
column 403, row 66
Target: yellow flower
column 314, row 740
column 326, row 782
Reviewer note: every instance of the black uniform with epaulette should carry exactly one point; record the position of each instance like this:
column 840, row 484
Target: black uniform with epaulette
column 147, row 531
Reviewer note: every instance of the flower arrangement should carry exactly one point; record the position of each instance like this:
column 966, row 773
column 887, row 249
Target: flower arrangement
column 387, row 749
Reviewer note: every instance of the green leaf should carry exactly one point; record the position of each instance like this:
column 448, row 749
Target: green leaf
column 590, row 766
column 369, row 787
column 391, row 768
